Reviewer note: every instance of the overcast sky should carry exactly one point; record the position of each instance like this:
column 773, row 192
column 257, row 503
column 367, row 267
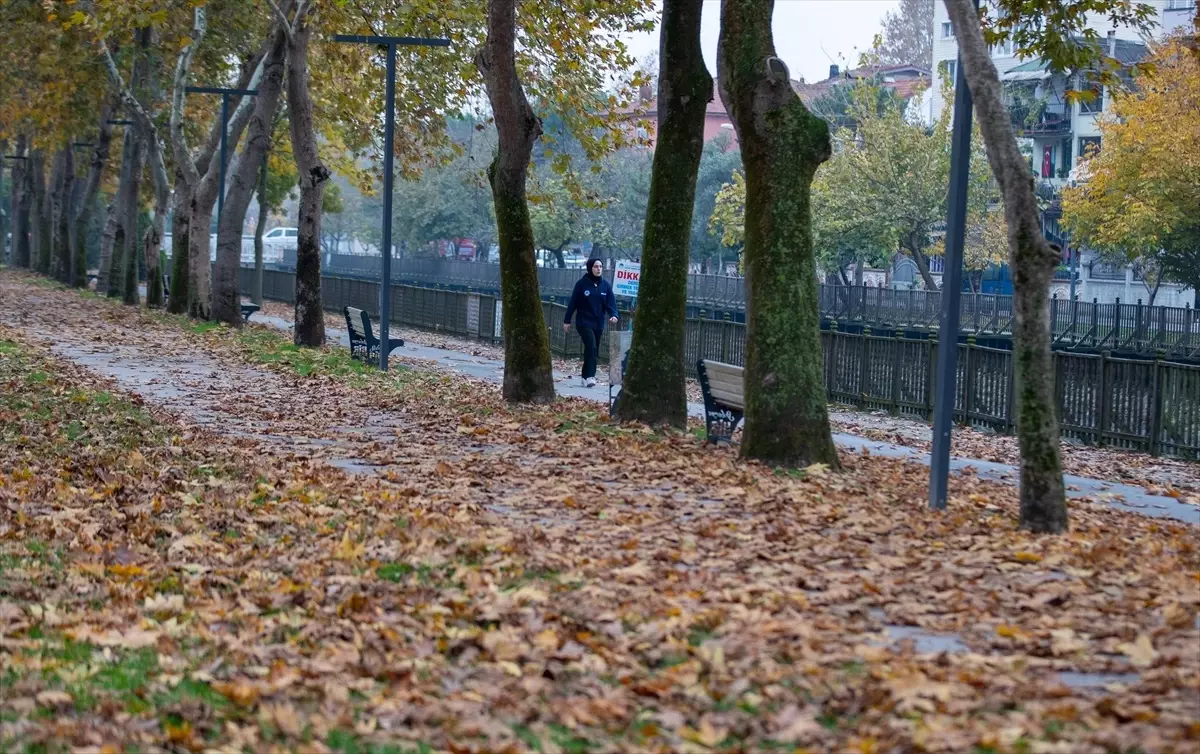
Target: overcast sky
column 809, row 34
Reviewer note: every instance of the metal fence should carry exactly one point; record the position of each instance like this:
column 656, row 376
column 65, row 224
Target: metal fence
column 1131, row 327
column 1146, row 405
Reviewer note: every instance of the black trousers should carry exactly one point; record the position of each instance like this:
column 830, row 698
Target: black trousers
column 591, row 345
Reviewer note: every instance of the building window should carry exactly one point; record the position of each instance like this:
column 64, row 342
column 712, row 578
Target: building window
column 1088, row 145
column 948, row 68
column 947, row 30
column 1002, row 49
column 1181, row 4
column 1093, row 104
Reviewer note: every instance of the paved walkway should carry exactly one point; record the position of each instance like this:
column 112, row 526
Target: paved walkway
column 1114, row 494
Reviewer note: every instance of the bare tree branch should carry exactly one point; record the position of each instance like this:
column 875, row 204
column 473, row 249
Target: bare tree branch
column 178, row 139
column 283, row 20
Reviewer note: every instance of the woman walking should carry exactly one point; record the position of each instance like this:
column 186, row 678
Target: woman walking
column 590, row 301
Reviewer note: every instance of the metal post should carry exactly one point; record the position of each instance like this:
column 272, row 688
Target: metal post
column 389, row 132
column 1074, row 256
column 956, row 228
column 385, row 283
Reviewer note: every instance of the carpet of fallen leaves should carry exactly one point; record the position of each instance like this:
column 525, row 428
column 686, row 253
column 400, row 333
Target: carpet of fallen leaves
column 1161, row 476
column 197, row 574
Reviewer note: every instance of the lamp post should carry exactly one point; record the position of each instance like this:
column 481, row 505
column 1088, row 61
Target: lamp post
column 389, row 127
column 225, row 93
column 956, row 229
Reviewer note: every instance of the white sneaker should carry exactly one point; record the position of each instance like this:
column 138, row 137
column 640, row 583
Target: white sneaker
column 590, row 382
column 583, row 382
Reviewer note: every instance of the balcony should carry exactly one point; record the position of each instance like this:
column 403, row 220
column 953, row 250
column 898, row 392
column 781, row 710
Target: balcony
column 1044, row 123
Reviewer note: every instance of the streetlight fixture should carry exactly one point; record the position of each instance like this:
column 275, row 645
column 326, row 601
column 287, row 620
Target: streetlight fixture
column 389, row 129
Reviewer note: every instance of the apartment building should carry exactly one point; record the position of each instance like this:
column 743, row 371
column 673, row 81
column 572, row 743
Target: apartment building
column 1054, row 132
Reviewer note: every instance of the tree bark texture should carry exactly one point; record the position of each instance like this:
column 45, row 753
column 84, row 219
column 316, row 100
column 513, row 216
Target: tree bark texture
column 5, row 254
column 152, row 242
column 204, row 196
column 226, row 298
column 21, row 197
column 654, row 389
column 108, row 241
column 1033, row 260
column 64, row 191
column 309, row 329
column 181, row 217
column 112, row 248
column 527, row 372
column 40, row 215
column 132, row 206
column 87, row 199
column 782, row 144
column 260, row 228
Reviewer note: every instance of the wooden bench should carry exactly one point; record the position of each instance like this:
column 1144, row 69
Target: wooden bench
column 247, row 310
column 364, row 346
column 724, row 389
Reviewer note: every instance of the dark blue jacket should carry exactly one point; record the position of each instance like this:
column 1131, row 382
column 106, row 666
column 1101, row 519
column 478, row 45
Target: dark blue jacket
column 594, row 302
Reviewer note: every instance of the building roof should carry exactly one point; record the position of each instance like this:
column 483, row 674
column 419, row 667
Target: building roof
column 1126, row 52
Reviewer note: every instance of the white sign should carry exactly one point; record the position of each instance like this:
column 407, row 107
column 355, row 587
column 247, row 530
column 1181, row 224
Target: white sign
column 626, row 278
column 473, row 314
column 498, row 319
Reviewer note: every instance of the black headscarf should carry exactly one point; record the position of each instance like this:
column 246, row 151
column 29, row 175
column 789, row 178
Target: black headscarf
column 591, row 275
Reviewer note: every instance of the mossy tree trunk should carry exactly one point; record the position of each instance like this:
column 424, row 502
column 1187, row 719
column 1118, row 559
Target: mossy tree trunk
column 40, row 215
column 181, row 219
column 256, row 294
column 1033, row 260
column 527, row 372
column 111, row 280
column 310, row 311
column 21, row 200
column 654, row 387
column 87, row 199
column 152, row 241
column 64, row 188
column 782, row 145
column 131, row 205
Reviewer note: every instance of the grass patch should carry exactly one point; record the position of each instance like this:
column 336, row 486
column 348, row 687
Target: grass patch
column 270, row 348
column 348, row 742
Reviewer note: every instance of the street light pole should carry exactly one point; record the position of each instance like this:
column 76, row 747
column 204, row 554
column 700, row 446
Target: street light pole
column 956, row 229
column 389, row 128
column 225, row 93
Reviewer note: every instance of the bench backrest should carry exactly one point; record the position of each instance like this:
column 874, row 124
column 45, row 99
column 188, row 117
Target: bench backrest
column 358, row 323
column 726, row 383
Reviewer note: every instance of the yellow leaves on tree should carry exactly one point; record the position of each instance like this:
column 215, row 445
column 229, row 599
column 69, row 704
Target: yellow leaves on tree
column 1144, row 183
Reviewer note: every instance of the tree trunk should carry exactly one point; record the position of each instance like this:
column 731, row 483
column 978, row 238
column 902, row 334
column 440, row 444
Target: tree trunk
column 112, row 253
column 226, row 298
column 87, row 199
column 152, row 242
column 108, row 240
column 310, row 312
column 203, row 196
column 922, row 262
column 260, row 227
column 527, row 373
column 782, row 145
column 132, row 205
column 1043, row 496
column 21, row 197
column 654, row 389
column 65, row 186
column 40, row 216
column 5, row 255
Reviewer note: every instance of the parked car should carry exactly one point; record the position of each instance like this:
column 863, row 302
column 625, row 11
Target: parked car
column 281, row 236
